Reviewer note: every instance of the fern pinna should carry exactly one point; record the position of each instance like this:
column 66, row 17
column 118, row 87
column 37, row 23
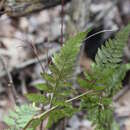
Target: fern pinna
column 100, row 84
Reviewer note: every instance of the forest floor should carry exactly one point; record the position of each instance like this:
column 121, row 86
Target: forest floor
column 43, row 31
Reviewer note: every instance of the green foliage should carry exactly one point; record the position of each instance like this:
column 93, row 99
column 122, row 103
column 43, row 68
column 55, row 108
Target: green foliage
column 58, row 83
column 37, row 98
column 18, row 118
column 105, row 77
column 54, row 116
column 101, row 83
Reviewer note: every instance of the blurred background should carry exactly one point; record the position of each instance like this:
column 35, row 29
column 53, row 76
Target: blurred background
column 24, row 38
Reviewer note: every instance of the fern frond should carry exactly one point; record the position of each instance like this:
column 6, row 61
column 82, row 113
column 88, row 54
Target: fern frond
column 65, row 60
column 61, row 71
column 58, row 83
column 111, row 54
column 106, row 77
column 18, row 118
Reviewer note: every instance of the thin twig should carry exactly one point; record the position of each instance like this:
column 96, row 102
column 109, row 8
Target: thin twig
column 121, row 93
column 44, row 114
column 10, row 82
column 34, row 50
column 31, row 45
column 36, row 54
column 32, row 61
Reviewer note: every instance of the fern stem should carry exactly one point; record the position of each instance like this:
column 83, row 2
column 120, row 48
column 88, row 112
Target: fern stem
column 53, row 108
column 103, row 31
column 62, row 24
column 57, row 83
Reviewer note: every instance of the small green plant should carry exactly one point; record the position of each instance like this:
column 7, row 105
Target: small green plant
column 20, row 116
column 100, row 85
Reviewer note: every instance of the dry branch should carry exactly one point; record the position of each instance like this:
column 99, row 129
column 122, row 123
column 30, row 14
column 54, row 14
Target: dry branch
column 23, row 7
column 31, row 61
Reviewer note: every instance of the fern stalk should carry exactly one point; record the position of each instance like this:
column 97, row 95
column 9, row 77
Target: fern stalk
column 44, row 114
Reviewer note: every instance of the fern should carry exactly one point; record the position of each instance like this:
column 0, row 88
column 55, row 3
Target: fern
column 105, row 77
column 100, row 85
column 18, row 119
column 58, row 83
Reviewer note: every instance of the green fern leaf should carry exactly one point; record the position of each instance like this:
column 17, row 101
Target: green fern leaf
column 37, row 98
column 18, row 118
column 43, row 87
column 67, row 111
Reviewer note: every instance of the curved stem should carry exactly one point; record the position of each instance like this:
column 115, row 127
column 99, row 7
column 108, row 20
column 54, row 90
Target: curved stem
column 55, row 107
column 103, row 31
